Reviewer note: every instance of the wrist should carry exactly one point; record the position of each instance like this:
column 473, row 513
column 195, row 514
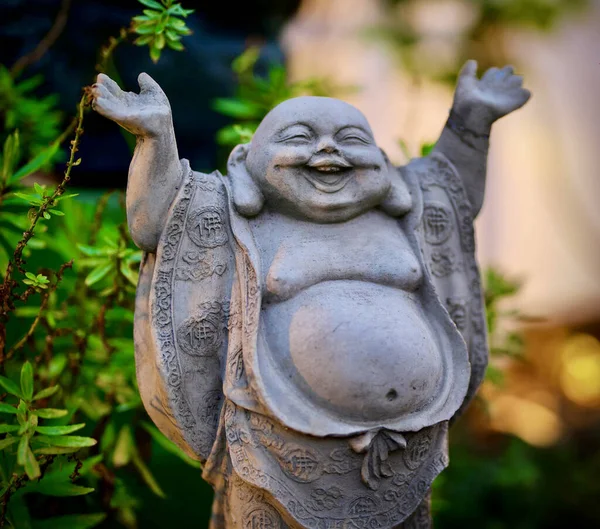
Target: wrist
column 473, row 133
column 477, row 119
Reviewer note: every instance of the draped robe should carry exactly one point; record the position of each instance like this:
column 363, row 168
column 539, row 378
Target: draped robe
column 272, row 456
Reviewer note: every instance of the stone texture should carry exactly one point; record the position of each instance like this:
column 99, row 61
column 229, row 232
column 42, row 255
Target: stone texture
column 308, row 324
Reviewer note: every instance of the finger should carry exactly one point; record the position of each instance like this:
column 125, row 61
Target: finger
column 525, row 96
column 111, row 86
column 148, row 85
column 469, row 69
column 505, row 72
column 100, row 90
column 490, row 75
column 515, row 81
column 107, row 108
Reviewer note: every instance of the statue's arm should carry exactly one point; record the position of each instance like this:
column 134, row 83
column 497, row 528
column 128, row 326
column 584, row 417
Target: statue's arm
column 478, row 103
column 155, row 173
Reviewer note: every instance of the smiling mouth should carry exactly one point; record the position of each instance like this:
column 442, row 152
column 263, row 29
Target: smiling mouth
column 328, row 176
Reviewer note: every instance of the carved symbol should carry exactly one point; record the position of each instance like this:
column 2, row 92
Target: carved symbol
column 322, row 499
column 437, row 222
column 262, row 518
column 202, row 334
column 301, row 464
column 417, row 449
column 444, row 262
column 363, row 507
column 206, row 227
column 210, row 409
column 457, row 308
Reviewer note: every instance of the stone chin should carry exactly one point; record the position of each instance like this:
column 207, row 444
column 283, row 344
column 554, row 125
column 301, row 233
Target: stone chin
column 323, row 197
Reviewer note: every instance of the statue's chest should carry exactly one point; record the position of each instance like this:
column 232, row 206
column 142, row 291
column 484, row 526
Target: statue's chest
column 297, row 255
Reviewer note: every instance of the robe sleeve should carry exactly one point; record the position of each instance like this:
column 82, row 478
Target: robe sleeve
column 448, row 244
column 181, row 315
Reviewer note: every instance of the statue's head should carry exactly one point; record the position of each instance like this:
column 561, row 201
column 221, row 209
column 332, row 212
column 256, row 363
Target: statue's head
column 314, row 158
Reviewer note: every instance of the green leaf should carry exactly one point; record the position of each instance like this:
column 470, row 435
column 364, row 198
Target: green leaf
column 152, row 3
column 49, row 413
column 154, row 54
column 67, row 441
column 45, row 393
column 60, row 488
column 71, row 521
column 22, row 449
column 92, row 251
column 7, row 408
column 124, row 447
column 6, row 428
column 39, row 161
column 175, row 45
column 10, row 387
column 59, row 430
column 147, row 28
column 426, row 149
column 8, row 441
column 55, row 450
column 168, row 445
column 32, row 467
column 238, row 108
column 39, row 189
column 98, row 273
column 147, row 475
column 27, row 380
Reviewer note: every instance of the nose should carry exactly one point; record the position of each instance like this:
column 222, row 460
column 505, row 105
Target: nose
column 327, row 145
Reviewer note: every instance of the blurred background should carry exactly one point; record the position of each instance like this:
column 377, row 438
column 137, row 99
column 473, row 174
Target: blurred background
column 527, row 454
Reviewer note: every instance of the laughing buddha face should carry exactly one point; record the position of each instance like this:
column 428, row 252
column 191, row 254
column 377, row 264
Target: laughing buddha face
column 314, row 158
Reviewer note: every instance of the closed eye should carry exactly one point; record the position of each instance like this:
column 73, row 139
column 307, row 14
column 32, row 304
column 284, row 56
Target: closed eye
column 355, row 139
column 297, row 138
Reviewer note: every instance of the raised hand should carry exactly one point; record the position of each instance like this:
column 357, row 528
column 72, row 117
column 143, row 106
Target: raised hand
column 480, row 102
column 145, row 114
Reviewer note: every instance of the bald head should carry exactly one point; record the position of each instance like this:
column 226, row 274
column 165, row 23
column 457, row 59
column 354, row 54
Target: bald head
column 324, row 114
column 314, row 158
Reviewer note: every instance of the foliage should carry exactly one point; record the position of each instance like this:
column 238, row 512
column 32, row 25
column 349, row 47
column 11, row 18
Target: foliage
column 257, row 95
column 36, row 118
column 159, row 26
column 481, row 39
column 67, row 337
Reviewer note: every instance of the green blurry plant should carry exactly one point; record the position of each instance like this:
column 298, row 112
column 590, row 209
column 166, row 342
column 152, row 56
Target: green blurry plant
column 483, row 38
column 67, row 337
column 160, row 26
column 256, row 95
column 36, row 118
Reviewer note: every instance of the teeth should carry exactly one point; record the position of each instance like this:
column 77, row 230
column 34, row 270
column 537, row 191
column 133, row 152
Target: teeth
column 328, row 169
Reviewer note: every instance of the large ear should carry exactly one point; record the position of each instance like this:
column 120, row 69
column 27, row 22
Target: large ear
column 247, row 197
column 398, row 202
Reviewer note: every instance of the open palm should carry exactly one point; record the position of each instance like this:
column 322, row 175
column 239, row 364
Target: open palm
column 496, row 94
column 143, row 114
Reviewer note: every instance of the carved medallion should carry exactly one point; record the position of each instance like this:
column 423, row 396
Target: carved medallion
column 263, row 517
column 437, row 222
column 202, row 334
column 301, row 463
column 206, row 227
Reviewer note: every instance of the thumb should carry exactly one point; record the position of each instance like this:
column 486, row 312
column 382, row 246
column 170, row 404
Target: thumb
column 468, row 74
column 148, row 85
column 469, row 69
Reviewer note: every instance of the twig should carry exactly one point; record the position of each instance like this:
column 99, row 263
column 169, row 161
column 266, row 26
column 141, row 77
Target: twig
column 50, row 38
column 21, row 343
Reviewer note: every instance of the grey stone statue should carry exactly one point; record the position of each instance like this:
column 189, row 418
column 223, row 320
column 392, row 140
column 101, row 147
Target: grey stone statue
column 308, row 324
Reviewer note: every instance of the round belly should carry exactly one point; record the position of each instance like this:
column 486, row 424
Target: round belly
column 361, row 348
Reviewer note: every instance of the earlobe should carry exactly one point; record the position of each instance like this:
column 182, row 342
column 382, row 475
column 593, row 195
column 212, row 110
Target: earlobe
column 247, row 197
column 398, row 201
